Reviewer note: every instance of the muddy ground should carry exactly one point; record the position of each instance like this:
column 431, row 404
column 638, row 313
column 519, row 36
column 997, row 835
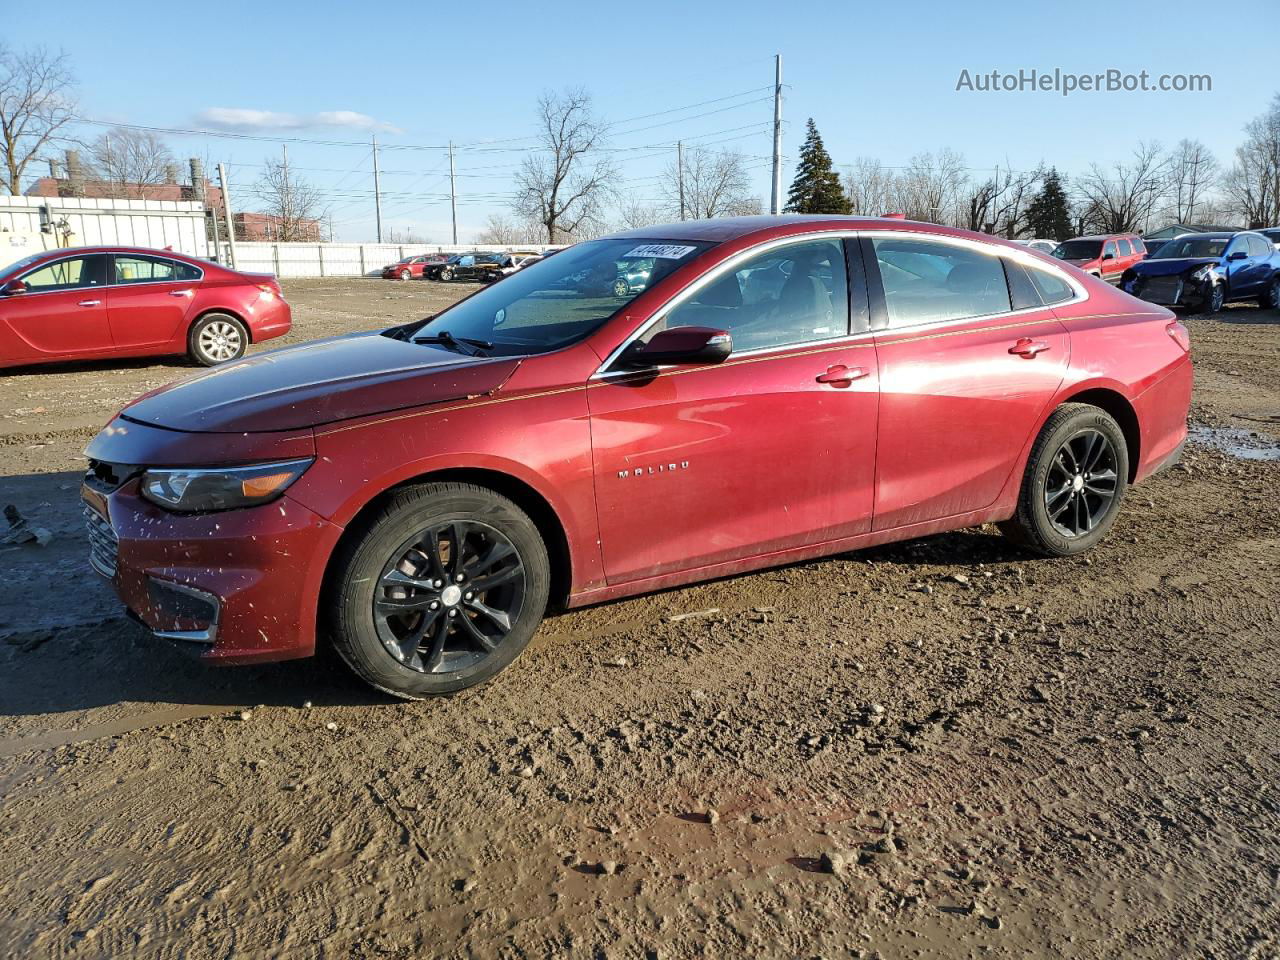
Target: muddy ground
column 940, row 748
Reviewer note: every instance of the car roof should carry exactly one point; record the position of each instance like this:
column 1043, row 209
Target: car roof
column 147, row 251
column 720, row 229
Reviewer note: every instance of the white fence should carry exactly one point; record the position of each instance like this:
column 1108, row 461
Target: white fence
column 40, row 223
column 32, row 224
column 342, row 259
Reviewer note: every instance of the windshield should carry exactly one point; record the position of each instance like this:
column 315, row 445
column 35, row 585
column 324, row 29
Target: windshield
column 560, row 300
column 18, row 265
column 1193, row 246
column 1078, row 250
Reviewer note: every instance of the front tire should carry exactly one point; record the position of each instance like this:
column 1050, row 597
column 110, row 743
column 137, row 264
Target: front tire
column 1076, row 478
column 406, row 274
column 217, row 338
column 441, row 589
column 1215, row 299
column 446, row 274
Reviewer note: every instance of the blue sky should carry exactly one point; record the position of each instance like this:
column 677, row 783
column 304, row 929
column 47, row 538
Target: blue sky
column 879, row 79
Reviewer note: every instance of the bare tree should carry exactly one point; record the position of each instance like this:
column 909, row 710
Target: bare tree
column 564, row 185
column 294, row 203
column 634, row 213
column 129, row 161
column 930, row 186
column 506, row 232
column 872, row 190
column 35, row 103
column 1253, row 183
column 998, row 204
column 715, row 184
column 1193, row 170
column 1122, row 200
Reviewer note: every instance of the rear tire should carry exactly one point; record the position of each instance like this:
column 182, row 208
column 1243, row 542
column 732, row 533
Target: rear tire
column 217, row 338
column 1076, row 478
column 1271, row 299
column 415, row 620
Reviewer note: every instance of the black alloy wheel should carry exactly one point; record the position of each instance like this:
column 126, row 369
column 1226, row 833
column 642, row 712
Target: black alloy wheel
column 1076, row 477
column 1081, row 484
column 436, row 589
column 448, row 596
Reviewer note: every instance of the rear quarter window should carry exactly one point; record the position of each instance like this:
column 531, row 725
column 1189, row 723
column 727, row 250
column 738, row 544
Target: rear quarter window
column 1052, row 288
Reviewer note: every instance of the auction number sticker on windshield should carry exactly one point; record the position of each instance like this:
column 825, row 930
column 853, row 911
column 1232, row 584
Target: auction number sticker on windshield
column 665, row 251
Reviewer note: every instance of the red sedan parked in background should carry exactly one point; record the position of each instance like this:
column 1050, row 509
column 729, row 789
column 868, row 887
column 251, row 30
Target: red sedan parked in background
column 410, row 268
column 97, row 302
column 774, row 389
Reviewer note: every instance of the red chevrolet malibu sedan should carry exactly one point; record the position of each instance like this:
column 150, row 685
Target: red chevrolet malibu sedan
column 101, row 302
column 775, row 389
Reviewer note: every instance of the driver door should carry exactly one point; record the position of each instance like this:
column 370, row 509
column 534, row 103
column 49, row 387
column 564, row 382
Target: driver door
column 63, row 310
column 770, row 450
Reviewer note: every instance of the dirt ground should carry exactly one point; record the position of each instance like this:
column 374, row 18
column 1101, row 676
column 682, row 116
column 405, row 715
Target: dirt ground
column 944, row 748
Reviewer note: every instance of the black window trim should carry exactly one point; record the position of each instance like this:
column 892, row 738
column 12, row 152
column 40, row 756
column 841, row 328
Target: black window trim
column 860, row 237
column 79, row 255
column 729, row 265
column 879, row 308
column 154, row 257
column 108, row 270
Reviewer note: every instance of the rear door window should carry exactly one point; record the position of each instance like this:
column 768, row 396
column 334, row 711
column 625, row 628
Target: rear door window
column 1123, row 246
column 926, row 281
column 152, row 270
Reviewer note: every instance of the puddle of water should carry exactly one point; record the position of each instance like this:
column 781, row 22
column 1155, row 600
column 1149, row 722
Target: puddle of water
column 1245, row 444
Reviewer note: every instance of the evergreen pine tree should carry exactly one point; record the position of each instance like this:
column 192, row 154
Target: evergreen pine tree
column 816, row 188
column 1048, row 215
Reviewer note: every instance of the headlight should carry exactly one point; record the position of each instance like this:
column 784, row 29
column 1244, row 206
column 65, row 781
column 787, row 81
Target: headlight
column 1198, row 275
column 202, row 489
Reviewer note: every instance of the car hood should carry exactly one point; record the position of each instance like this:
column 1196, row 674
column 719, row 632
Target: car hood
column 1172, row 266
column 319, row 382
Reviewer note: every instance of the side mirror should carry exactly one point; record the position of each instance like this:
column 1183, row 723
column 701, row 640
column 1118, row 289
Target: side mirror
column 13, row 287
column 1237, row 255
column 683, row 345
column 1108, row 256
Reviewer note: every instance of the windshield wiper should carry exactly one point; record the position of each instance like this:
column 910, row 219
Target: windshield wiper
column 447, row 339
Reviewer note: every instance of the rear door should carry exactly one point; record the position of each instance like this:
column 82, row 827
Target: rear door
column 1259, row 270
column 1111, row 264
column 770, row 450
column 964, row 376
column 149, row 299
column 63, row 311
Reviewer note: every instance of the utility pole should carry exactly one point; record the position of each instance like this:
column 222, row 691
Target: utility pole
column 226, row 213
column 680, row 174
column 453, row 195
column 775, row 202
column 377, row 190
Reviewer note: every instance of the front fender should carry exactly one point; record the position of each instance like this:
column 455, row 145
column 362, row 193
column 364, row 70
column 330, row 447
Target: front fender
column 541, row 439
